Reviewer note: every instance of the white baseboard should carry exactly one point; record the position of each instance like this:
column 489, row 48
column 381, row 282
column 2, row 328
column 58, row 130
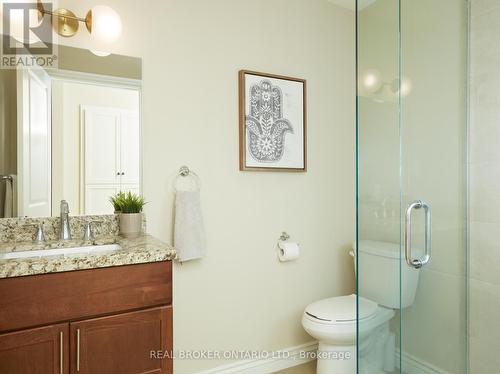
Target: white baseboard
column 270, row 365
column 411, row 364
column 415, row 365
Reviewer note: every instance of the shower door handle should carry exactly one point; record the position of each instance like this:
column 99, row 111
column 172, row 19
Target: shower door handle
column 417, row 263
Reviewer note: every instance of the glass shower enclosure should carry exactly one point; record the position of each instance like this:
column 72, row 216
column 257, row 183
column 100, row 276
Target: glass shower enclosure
column 412, row 234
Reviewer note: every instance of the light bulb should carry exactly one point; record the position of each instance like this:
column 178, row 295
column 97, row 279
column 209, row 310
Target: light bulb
column 404, row 88
column 100, row 53
column 106, row 24
column 371, row 80
column 15, row 18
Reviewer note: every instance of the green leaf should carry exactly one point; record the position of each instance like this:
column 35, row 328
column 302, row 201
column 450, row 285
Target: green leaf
column 127, row 202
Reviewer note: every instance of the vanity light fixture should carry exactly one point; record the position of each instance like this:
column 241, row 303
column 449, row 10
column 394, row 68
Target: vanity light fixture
column 102, row 22
column 370, row 83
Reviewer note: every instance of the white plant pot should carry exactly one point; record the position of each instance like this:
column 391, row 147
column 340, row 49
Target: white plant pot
column 130, row 225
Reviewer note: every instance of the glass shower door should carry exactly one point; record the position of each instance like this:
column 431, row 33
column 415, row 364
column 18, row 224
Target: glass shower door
column 433, row 123
column 412, row 190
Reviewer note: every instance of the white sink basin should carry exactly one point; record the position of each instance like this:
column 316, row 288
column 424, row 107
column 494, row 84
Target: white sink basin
column 66, row 252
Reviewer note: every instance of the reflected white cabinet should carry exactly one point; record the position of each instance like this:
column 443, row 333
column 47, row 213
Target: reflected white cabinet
column 110, row 156
column 129, row 150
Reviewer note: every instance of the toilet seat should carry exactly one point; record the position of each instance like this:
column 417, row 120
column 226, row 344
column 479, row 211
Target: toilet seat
column 334, row 321
column 341, row 310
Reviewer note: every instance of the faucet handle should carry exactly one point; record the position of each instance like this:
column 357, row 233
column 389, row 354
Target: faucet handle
column 40, row 235
column 64, row 207
column 88, row 233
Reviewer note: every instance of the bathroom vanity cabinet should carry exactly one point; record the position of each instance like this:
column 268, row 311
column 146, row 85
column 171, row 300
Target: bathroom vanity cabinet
column 106, row 320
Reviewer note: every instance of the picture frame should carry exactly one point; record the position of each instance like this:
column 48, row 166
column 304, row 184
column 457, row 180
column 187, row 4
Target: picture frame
column 272, row 122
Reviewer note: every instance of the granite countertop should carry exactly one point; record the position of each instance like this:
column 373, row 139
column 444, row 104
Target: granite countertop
column 141, row 250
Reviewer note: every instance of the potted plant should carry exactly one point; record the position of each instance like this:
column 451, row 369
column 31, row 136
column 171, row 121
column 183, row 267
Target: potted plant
column 130, row 207
column 116, row 201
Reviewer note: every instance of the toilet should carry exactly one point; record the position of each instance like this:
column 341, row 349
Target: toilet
column 332, row 321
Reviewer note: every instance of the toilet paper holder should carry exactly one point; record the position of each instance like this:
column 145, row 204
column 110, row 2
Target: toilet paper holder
column 284, row 236
column 287, row 250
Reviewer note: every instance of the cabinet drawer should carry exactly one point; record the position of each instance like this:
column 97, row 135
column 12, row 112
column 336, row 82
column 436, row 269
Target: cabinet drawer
column 122, row 344
column 49, row 298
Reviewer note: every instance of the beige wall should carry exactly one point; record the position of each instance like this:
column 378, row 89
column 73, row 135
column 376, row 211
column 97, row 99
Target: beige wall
column 68, row 98
column 428, row 137
column 484, row 183
column 8, row 122
column 240, row 296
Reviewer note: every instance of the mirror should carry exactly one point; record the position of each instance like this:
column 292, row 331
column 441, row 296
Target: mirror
column 69, row 133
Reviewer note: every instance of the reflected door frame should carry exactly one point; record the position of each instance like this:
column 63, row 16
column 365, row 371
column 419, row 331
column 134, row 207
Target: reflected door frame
column 59, row 76
column 34, row 184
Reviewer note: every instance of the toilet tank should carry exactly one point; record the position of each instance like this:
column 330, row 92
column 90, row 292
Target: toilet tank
column 379, row 274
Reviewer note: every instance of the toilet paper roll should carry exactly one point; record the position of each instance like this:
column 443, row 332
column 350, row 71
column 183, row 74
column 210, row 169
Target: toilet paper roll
column 288, row 251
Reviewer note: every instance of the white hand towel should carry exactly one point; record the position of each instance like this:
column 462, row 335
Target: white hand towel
column 189, row 231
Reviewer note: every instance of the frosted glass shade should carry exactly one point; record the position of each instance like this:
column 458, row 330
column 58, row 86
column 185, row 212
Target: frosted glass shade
column 106, row 24
column 371, row 81
column 100, row 53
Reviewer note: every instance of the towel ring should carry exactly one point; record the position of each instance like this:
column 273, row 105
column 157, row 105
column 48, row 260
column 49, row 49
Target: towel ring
column 185, row 172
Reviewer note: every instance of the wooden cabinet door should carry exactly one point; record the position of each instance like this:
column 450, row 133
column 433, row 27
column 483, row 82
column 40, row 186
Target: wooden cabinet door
column 123, row 343
column 42, row 350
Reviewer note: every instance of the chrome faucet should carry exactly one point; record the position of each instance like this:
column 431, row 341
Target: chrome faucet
column 65, row 232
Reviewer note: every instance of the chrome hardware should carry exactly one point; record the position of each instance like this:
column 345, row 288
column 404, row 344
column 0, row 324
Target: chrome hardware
column 417, row 263
column 61, row 352
column 88, row 233
column 6, row 178
column 65, row 231
column 284, row 236
column 184, row 171
column 40, row 235
column 77, row 349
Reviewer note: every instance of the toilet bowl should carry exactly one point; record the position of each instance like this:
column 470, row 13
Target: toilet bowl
column 334, row 321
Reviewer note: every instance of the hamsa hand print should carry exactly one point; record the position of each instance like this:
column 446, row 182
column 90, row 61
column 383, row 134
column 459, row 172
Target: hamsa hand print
column 265, row 125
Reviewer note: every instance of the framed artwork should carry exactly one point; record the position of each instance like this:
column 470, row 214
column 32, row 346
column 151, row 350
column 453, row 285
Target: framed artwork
column 272, row 122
